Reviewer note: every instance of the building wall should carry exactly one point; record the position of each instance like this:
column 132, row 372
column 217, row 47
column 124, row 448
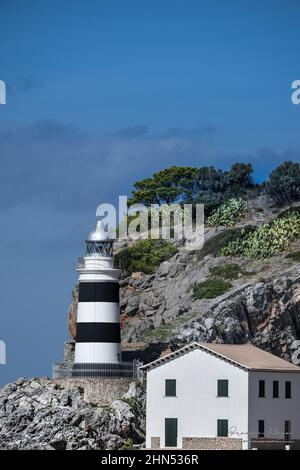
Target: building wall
column 212, row 443
column 267, row 444
column 274, row 411
column 196, row 406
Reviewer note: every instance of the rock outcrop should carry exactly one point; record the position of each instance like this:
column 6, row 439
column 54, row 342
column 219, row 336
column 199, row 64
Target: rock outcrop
column 38, row 414
column 265, row 312
column 159, row 313
column 263, row 305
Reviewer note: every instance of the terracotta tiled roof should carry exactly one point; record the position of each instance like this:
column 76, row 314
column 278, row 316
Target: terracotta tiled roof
column 250, row 356
column 242, row 355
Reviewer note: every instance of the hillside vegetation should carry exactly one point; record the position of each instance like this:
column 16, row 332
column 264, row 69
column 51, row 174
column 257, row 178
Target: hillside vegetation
column 225, row 195
column 212, row 187
column 268, row 240
column 145, row 256
column 243, row 285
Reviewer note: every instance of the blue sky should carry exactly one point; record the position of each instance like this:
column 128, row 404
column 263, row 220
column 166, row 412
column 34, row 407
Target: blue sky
column 102, row 93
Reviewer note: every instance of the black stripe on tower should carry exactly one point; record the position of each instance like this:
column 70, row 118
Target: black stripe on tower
column 98, row 292
column 98, row 333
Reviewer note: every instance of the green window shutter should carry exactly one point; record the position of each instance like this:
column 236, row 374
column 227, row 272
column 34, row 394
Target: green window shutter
column 287, row 431
column 170, row 388
column 275, row 389
column 171, row 426
column 222, row 427
column 288, row 389
column 222, row 388
column 261, row 389
column 261, row 428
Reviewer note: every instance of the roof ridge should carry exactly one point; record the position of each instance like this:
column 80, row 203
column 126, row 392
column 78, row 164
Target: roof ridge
column 212, row 348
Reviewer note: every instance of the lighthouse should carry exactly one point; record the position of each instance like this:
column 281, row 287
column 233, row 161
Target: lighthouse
column 98, row 342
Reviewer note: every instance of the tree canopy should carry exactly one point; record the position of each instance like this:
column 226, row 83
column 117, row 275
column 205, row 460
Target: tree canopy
column 206, row 185
column 213, row 187
column 165, row 187
column 284, row 183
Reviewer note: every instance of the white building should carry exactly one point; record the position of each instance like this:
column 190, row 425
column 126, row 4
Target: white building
column 217, row 396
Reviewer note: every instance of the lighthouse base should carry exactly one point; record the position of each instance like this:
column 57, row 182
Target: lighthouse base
column 110, row 370
column 69, row 369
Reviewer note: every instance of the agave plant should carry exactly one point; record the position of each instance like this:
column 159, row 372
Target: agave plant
column 228, row 213
column 267, row 240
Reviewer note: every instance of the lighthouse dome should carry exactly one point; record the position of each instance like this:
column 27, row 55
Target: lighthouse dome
column 99, row 234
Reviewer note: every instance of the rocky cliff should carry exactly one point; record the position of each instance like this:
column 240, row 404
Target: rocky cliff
column 261, row 303
column 39, row 414
column 242, row 299
column 262, row 306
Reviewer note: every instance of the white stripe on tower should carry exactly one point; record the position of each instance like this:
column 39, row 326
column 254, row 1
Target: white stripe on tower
column 98, row 312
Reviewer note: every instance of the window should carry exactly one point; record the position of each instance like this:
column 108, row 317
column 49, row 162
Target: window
column 222, row 388
column 170, row 388
column 275, row 389
column 261, row 428
column 171, row 426
column 261, row 391
column 288, row 389
column 222, row 427
column 287, row 431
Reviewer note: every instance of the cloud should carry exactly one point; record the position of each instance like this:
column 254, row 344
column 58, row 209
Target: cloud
column 270, row 155
column 197, row 132
column 25, row 83
column 47, row 130
column 131, row 132
column 67, row 169
column 60, row 165
column 266, row 159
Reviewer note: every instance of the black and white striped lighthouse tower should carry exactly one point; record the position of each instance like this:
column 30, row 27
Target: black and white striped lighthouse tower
column 98, row 348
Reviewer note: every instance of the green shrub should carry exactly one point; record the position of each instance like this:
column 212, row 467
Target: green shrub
column 145, row 256
column 228, row 213
column 295, row 256
column 211, row 288
column 214, row 244
column 227, row 271
column 161, row 333
column 288, row 212
column 267, row 240
column 128, row 444
column 284, row 183
column 132, row 402
column 221, row 329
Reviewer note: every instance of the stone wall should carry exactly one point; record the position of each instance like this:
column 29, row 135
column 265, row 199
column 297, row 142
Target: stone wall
column 69, row 351
column 98, row 391
column 155, row 442
column 211, row 443
column 265, row 444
